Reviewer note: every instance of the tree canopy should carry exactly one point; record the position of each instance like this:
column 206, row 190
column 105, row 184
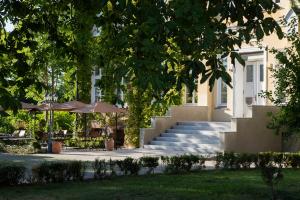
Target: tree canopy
column 155, row 46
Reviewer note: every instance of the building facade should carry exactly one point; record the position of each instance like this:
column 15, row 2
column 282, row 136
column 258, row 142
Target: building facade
column 241, row 107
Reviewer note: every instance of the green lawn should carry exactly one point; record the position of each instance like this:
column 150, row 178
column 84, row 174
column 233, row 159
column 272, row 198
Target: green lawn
column 199, row 185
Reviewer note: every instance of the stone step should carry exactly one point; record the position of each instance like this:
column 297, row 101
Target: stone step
column 192, row 135
column 201, row 150
column 204, row 123
column 211, row 128
column 185, row 131
column 185, row 144
column 197, row 140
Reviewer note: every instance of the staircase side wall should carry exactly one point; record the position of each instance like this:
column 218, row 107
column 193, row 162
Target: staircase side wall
column 177, row 113
column 252, row 134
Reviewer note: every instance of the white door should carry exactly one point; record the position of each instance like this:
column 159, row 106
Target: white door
column 253, row 85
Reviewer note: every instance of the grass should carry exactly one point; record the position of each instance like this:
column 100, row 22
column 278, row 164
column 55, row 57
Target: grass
column 243, row 184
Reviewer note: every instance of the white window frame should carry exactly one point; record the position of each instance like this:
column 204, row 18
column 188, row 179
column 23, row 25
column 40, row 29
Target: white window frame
column 219, row 94
column 219, row 90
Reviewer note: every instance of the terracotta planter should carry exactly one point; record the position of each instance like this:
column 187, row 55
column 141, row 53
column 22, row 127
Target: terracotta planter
column 109, row 144
column 56, row 147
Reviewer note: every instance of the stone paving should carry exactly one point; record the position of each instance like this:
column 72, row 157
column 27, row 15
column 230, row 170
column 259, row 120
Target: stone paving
column 86, row 155
column 31, row 160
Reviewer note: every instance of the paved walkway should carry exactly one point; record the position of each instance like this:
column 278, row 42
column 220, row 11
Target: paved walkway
column 32, row 159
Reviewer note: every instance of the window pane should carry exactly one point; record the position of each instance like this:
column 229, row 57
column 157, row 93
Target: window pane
column 223, row 93
column 261, row 72
column 249, row 73
column 97, row 71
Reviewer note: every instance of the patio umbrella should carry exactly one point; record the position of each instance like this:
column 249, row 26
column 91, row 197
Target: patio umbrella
column 104, row 107
column 70, row 105
column 32, row 109
column 100, row 107
column 84, row 110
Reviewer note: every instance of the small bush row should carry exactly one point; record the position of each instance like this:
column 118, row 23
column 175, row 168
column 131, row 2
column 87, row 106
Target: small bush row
column 229, row 160
column 12, row 174
column 51, row 172
column 184, row 163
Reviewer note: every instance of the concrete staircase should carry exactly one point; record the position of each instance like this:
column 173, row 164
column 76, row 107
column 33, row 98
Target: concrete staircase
column 191, row 137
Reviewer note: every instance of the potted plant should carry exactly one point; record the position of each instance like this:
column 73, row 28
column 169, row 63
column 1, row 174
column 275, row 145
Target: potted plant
column 108, row 140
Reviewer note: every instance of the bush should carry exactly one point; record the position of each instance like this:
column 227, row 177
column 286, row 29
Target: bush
column 260, row 160
column 52, row 172
column 293, row 160
column 75, row 170
column 93, row 143
column 149, row 162
column 100, row 169
column 2, row 147
column 12, row 174
column 129, row 166
column 19, row 149
column 245, row 160
column 184, row 163
column 228, row 160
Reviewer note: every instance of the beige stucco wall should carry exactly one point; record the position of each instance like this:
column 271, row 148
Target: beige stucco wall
column 252, row 134
column 176, row 114
column 272, row 41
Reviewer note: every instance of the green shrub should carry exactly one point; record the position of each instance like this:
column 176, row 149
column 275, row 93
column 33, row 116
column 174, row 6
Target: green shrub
column 112, row 165
column 183, row 163
column 75, row 170
column 229, row 160
column 93, row 143
column 12, row 174
column 100, row 169
column 19, row 149
column 149, row 162
column 245, row 160
column 2, row 147
column 129, row 166
column 293, row 160
column 218, row 158
column 49, row 172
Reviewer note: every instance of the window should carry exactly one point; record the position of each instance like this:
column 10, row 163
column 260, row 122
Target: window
column 97, row 71
column 222, row 89
column 98, row 94
column 191, row 97
column 261, row 73
column 249, row 73
column 223, row 93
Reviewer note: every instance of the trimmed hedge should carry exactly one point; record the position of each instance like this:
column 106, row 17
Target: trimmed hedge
column 184, row 163
column 52, row 172
column 230, row 160
column 12, row 174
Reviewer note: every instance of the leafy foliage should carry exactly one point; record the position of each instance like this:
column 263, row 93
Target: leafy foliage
column 12, row 174
column 156, row 47
column 286, row 94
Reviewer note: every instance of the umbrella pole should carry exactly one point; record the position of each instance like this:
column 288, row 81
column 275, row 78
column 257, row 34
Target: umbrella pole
column 116, row 126
column 33, row 130
column 85, row 127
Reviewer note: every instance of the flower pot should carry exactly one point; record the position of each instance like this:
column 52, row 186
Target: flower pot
column 56, row 147
column 109, row 144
